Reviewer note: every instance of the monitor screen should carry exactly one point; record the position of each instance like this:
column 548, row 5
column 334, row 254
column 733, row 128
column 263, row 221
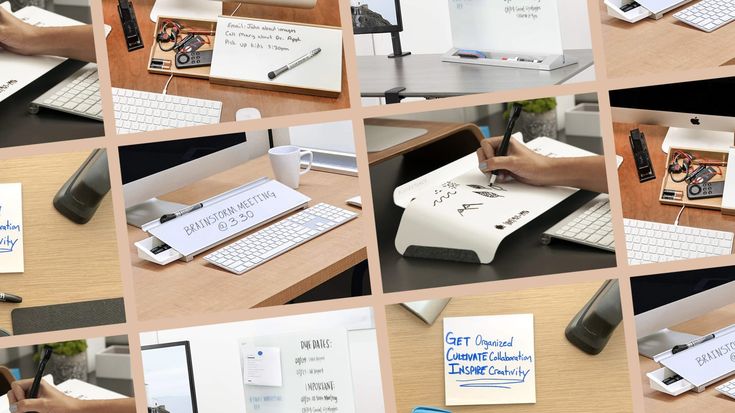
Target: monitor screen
column 168, row 378
column 653, row 291
column 376, row 16
column 140, row 161
column 703, row 97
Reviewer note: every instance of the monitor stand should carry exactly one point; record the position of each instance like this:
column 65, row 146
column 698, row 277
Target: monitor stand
column 186, row 9
column 656, row 343
column 145, row 212
column 395, row 37
column 697, row 138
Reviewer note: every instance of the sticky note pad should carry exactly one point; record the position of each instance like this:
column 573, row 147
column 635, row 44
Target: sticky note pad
column 263, row 367
column 11, row 228
column 489, row 360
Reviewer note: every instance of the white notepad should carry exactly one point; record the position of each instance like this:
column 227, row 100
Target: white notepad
column 489, row 360
column 246, row 50
column 19, row 71
column 11, row 228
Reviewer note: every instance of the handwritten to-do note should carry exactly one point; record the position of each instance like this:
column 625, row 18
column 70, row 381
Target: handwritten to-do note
column 11, row 228
column 316, row 375
column 489, row 360
column 246, row 50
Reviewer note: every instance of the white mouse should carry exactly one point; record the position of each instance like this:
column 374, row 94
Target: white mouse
column 247, row 114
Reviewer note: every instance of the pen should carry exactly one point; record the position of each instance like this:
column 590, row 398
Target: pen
column 10, row 298
column 169, row 217
column 300, row 60
column 681, row 347
column 33, row 392
column 505, row 143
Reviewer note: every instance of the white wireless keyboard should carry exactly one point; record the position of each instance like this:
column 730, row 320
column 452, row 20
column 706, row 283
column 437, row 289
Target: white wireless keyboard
column 708, row 15
column 267, row 243
column 589, row 225
column 79, row 94
column 654, row 242
column 137, row 111
column 728, row 389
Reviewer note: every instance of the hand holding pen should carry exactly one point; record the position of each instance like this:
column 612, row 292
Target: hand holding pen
column 505, row 143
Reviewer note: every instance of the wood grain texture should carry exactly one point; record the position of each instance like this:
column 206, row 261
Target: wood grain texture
column 181, row 289
column 640, row 200
column 567, row 380
column 658, row 46
column 710, row 400
column 435, row 131
column 64, row 261
column 129, row 69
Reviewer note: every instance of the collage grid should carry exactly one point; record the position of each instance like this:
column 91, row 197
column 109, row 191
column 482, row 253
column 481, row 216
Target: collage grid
column 393, row 326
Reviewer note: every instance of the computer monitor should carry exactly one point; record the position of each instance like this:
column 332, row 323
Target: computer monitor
column 152, row 169
column 168, row 377
column 379, row 16
column 199, row 9
column 698, row 113
column 665, row 300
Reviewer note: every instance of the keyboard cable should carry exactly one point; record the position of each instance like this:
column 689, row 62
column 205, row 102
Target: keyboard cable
column 679, row 215
column 165, row 88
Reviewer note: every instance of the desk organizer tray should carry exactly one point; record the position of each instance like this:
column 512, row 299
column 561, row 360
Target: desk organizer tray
column 668, row 184
column 157, row 53
column 246, row 51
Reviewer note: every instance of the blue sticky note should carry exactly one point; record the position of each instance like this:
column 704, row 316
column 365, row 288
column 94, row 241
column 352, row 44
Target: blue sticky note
column 425, row 409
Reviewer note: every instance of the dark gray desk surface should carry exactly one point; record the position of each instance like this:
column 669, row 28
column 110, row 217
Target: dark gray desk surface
column 425, row 75
column 520, row 255
column 22, row 128
column 28, row 366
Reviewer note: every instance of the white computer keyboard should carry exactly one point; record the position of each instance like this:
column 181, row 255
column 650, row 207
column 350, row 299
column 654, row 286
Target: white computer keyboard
column 137, row 111
column 267, row 243
column 708, row 15
column 589, row 225
column 648, row 241
column 728, row 389
column 79, row 94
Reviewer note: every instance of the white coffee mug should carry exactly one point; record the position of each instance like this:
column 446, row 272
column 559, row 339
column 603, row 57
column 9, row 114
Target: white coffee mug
column 286, row 164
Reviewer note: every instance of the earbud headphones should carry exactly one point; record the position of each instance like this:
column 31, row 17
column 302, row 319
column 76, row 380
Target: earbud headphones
column 169, row 33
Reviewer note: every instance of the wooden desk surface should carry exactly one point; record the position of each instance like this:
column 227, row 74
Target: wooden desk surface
column 186, row 288
column 435, row 131
column 657, row 46
column 130, row 69
column 64, row 262
column 640, row 200
column 563, row 373
column 710, row 400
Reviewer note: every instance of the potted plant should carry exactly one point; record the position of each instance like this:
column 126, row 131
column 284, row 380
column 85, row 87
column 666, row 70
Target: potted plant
column 538, row 118
column 68, row 360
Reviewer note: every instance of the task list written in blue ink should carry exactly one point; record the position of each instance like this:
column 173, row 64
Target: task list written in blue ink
column 489, row 360
column 11, row 228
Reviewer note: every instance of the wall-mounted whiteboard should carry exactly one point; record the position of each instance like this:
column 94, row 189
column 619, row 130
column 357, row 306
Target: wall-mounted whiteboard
column 521, row 26
column 314, row 371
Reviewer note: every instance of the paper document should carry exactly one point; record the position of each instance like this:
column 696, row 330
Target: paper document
column 11, row 228
column 19, row 71
column 263, row 366
column 489, row 360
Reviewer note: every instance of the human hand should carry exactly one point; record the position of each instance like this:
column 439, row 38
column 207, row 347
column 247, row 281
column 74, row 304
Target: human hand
column 50, row 400
column 15, row 35
column 520, row 163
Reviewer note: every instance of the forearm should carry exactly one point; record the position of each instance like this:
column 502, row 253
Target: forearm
column 75, row 42
column 126, row 405
column 586, row 172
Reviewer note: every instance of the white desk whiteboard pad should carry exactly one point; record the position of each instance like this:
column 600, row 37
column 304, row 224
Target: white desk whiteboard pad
column 247, row 50
column 657, row 6
column 73, row 388
column 314, row 371
column 380, row 138
column 489, row 360
column 19, row 71
column 521, row 26
column 704, row 362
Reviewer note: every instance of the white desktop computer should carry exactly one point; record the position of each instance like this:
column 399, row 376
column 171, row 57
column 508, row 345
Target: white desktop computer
column 664, row 300
column 152, row 169
column 698, row 113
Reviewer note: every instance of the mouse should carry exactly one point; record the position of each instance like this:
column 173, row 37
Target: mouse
column 247, row 114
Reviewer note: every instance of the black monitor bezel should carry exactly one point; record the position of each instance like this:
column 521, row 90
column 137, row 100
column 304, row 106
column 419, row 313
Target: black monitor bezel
column 398, row 27
column 187, row 349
